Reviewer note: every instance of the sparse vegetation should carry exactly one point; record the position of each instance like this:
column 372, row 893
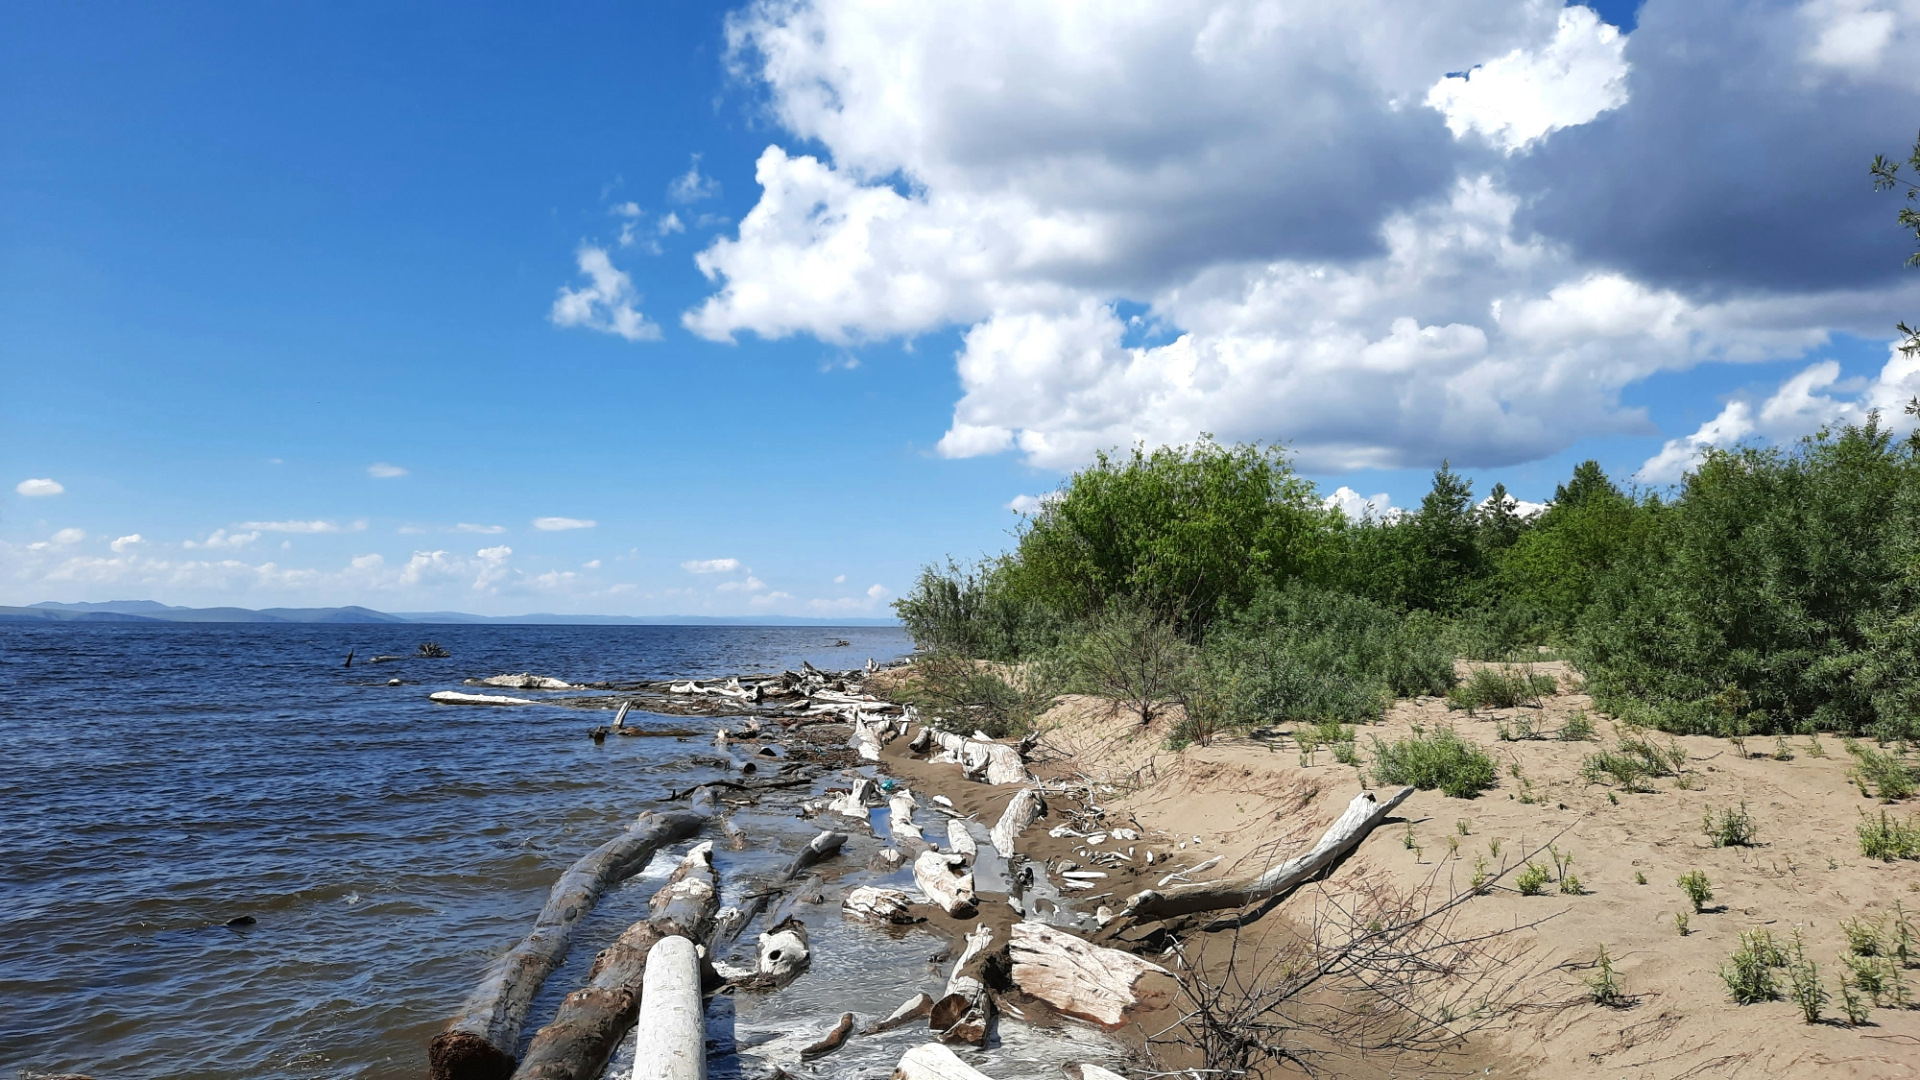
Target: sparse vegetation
column 1803, row 979
column 1887, row 839
column 1532, row 879
column 1578, row 728
column 1698, row 889
column 1888, row 776
column 1683, row 923
column 960, row 694
column 1440, row 759
column 1603, row 985
column 1748, row 973
column 1730, row 827
column 1502, row 688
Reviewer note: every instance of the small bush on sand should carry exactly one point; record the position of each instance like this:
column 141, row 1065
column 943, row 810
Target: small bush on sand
column 1887, row 839
column 1504, row 688
column 1578, row 728
column 1134, row 659
column 1441, row 760
column 960, row 694
column 1886, row 773
column 1694, row 883
column 1603, row 986
column 1633, row 761
column 1730, row 827
column 1865, row 938
column 1533, row 879
column 1803, row 980
column 1748, row 973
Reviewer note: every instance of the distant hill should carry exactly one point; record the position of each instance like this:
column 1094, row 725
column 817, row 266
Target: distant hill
column 140, row 611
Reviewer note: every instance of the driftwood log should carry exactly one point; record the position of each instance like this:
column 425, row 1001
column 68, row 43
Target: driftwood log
column 940, row 875
column 900, row 822
column 915, row 1008
column 932, row 1061
column 884, row 905
column 1026, row 808
column 1101, row 986
column 783, row 954
column 831, row 1041
column 964, row 1014
column 1361, row 815
column 672, row 1040
column 959, row 840
column 822, row 847
column 479, row 1042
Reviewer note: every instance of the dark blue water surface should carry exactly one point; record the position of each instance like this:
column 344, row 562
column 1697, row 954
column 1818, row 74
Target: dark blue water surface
column 159, row 780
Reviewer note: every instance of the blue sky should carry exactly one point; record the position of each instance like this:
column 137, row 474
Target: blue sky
column 284, row 292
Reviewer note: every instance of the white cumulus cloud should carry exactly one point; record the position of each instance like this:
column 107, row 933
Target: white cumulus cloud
column 222, row 539
column 751, row 584
column 562, row 524
column 1357, row 506
column 469, row 527
column 607, row 303
column 710, row 566
column 124, row 544
column 690, row 186
column 296, row 526
column 69, row 536
column 35, row 489
column 1519, row 98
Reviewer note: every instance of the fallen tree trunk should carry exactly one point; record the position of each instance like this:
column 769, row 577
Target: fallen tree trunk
column 1026, row 808
column 1361, row 815
column 1098, row 985
column 886, row 905
column 832, row 1041
column 672, row 1040
column 900, row 822
column 691, row 897
column 965, row 1012
column 479, row 1042
column 959, row 840
column 819, row 849
column 938, row 874
column 915, row 1008
column 932, row 1061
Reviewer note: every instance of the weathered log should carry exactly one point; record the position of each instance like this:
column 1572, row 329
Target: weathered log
column 959, row 840
column 1101, row 986
column 965, row 1012
column 922, row 742
column 1095, row 1072
column 479, row 1042
column 999, row 763
column 1361, row 815
column 691, row 898
column 620, row 718
column 932, row 1061
column 939, row 875
column 833, row 1040
column 885, row 905
column 784, row 954
column 900, row 810
column 455, row 697
column 1026, row 808
column 915, row 1008
column 522, row 681
column 591, row 1022
column 822, row 847
column 672, row 1039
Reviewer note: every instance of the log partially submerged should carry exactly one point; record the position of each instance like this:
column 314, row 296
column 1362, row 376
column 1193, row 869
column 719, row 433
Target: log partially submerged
column 915, row 1008
column 885, row 905
column 964, row 1013
column 932, row 1061
column 1101, row 986
column 784, row 954
column 1361, row 815
column 672, row 1041
column 833, row 1040
column 1026, row 808
column 940, row 875
column 900, row 822
column 479, row 1042
column 691, row 897
column 822, row 847
column 959, row 840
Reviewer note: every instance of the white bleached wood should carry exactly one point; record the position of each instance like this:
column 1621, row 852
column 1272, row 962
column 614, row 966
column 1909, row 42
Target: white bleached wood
column 1026, row 808
column 885, row 905
column 943, row 878
column 1095, row 1072
column 915, row 1008
column 1078, row 978
column 455, row 697
column 964, row 1014
column 1361, row 815
column 959, row 840
column 784, row 953
column 932, row 1061
column 670, row 1041
column 900, row 816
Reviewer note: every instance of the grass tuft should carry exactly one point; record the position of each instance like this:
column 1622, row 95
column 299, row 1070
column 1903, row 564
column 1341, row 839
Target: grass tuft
column 1441, row 759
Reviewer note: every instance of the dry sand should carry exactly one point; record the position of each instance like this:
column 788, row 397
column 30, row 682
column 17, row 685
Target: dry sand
column 1251, row 799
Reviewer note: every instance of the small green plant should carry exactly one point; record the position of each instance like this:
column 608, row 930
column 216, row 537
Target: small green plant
column 1613, row 798
column 1453, row 847
column 1748, row 973
column 1346, row 753
column 1694, row 883
column 1570, row 885
column 1578, row 728
column 1508, row 688
column 1906, row 944
column 1730, row 827
column 1633, row 762
column 1873, row 975
column 1533, row 879
column 1441, row 760
column 1681, row 922
column 1884, row 772
column 1814, row 746
column 1781, row 751
column 1603, row 986
column 1887, row 839
column 1408, row 840
column 1463, row 827
column 1851, row 1003
column 1493, row 847
column 1639, row 877
column 1527, row 795
column 1480, row 876
column 1803, row 980
column 1865, row 938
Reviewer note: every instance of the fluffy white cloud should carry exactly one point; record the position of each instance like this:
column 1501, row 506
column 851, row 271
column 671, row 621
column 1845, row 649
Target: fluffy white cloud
column 64, row 537
column 1028, row 504
column 380, row 470
column 876, row 591
column 751, row 584
column 1862, row 38
column 607, row 303
column 299, row 526
column 1358, row 507
column 840, row 579
column 127, row 543
column 1320, row 259
column 35, row 489
column 1811, row 399
column 690, row 186
column 710, row 566
column 469, row 527
column 562, row 524
column 221, row 538
column 1519, row 98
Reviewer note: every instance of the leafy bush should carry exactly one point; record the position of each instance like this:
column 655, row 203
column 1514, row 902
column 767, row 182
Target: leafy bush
column 1488, row 688
column 1890, row 777
column 1748, row 973
column 1887, row 839
column 1803, row 977
column 1603, row 986
column 1698, row 889
column 973, row 612
column 1135, row 659
column 1730, row 827
column 1633, row 761
column 1578, row 728
column 1441, row 760
column 1532, row 880
column 961, row 694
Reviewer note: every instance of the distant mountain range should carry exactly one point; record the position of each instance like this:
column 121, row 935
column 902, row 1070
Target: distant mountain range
column 139, row 611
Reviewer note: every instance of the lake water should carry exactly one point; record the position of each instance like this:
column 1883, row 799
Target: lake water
column 161, row 780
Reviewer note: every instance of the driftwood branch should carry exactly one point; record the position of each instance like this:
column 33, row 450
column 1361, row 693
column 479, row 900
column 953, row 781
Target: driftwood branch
column 479, row 1042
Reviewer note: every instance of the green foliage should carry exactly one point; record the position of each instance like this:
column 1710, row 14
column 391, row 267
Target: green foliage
column 961, row 694
column 1506, row 688
column 1886, row 839
column 1803, row 977
column 1698, row 889
column 1887, row 773
column 1432, row 559
column 1578, row 728
column 1730, row 827
column 971, row 611
column 1532, row 880
column 1632, row 762
column 1864, row 938
column 1135, row 658
column 1603, row 985
column 1441, row 759
column 1748, row 973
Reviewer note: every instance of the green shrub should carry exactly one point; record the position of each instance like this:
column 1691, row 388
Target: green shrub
column 1886, row 839
column 1730, row 827
column 1890, row 777
column 1694, row 883
column 1506, row 688
column 1441, row 759
column 1864, row 938
column 1533, row 879
column 1603, row 986
column 1803, row 978
column 1633, row 762
column 1134, row 658
column 1578, row 728
column 960, row 695
column 1748, row 973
